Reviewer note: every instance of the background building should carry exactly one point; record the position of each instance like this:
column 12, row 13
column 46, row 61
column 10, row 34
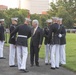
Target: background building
column 3, row 7
column 35, row 6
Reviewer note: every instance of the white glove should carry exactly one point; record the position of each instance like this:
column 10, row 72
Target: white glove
column 60, row 35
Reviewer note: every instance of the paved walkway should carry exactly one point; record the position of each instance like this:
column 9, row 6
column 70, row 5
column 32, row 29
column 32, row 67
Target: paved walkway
column 42, row 70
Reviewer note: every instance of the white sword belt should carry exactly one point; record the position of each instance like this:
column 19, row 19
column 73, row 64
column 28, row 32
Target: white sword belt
column 22, row 36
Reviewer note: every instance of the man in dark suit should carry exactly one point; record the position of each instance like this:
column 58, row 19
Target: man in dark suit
column 12, row 42
column 36, row 42
column 53, row 36
column 62, row 36
column 24, row 32
column 47, row 45
column 2, row 38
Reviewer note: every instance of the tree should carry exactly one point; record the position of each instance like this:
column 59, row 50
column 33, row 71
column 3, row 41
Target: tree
column 41, row 18
column 67, row 19
column 8, row 14
column 67, row 12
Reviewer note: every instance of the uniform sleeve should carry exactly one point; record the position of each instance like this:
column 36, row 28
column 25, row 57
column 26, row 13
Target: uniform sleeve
column 3, row 29
column 11, row 29
column 29, row 35
column 63, row 31
column 44, row 33
column 50, row 34
column 41, row 36
column 14, row 31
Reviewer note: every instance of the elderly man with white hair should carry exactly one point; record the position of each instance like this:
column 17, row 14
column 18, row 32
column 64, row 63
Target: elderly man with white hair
column 36, row 42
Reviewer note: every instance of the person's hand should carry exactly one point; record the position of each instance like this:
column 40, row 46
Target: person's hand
column 39, row 46
column 60, row 35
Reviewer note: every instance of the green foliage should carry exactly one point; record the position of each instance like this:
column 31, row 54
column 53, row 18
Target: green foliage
column 66, row 10
column 63, row 8
column 8, row 14
column 41, row 18
column 67, row 19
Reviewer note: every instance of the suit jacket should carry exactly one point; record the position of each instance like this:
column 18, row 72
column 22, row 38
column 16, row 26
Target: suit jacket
column 12, row 40
column 2, row 37
column 63, row 38
column 53, row 34
column 37, row 38
column 23, row 30
column 46, row 32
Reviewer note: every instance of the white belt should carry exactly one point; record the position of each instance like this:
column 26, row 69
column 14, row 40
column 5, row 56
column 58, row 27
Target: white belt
column 22, row 36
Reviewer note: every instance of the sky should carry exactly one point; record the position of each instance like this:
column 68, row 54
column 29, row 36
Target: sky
column 11, row 3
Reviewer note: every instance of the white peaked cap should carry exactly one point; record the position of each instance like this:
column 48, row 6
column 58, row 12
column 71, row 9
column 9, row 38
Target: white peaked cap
column 1, row 19
column 55, row 18
column 28, row 19
column 14, row 19
column 49, row 20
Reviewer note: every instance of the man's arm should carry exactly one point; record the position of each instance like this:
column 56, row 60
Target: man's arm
column 41, row 38
column 50, row 34
column 14, row 31
column 29, row 35
column 63, row 31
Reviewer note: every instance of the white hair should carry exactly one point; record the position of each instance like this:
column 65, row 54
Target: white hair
column 36, row 22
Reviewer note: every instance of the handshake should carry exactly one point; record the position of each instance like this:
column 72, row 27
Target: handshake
column 60, row 35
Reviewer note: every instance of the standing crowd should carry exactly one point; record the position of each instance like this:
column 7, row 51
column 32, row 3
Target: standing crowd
column 54, row 35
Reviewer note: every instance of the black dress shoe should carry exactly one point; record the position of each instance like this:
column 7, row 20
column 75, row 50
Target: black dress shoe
column 52, row 68
column 57, row 67
column 13, row 66
column 46, row 63
column 31, row 65
column 23, row 70
column 37, row 65
column 2, row 58
column 60, row 64
column 49, row 63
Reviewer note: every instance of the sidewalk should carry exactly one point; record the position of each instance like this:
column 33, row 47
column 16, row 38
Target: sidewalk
column 42, row 70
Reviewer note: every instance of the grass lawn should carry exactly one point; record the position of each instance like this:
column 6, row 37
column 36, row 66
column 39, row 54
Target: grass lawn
column 70, row 51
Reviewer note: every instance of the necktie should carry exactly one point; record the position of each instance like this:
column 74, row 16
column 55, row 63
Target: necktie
column 34, row 31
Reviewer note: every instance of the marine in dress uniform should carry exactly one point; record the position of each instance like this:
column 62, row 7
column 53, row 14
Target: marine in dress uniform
column 36, row 42
column 54, row 38
column 2, row 38
column 62, row 43
column 24, row 32
column 47, row 45
column 12, row 41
